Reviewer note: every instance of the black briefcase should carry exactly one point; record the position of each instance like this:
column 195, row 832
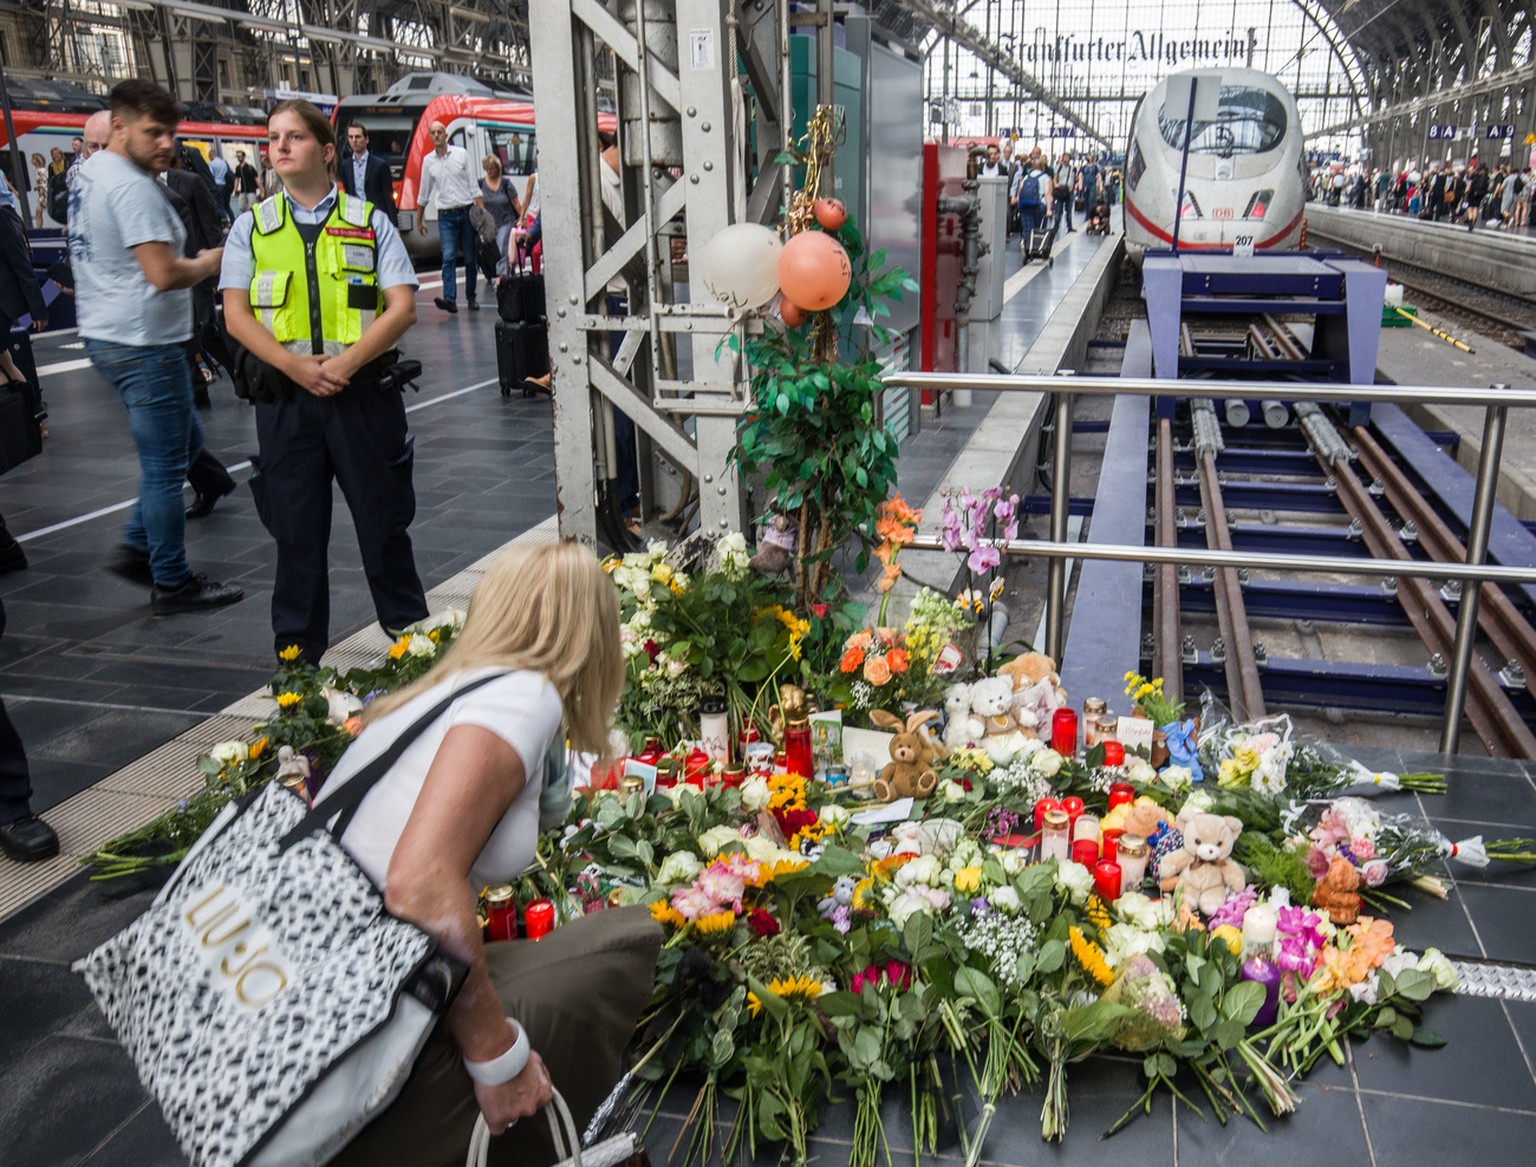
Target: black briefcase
column 21, row 429
column 520, row 298
column 522, row 351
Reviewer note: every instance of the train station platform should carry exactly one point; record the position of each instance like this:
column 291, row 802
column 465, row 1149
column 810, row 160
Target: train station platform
column 1502, row 260
column 96, row 684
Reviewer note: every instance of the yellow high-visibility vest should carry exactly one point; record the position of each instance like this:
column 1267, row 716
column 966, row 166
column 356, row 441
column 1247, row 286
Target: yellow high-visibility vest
column 315, row 298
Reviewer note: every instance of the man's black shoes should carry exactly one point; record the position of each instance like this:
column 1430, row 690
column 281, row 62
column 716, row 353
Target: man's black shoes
column 12, row 558
column 131, row 565
column 447, row 306
column 203, row 504
column 29, row 840
column 195, row 595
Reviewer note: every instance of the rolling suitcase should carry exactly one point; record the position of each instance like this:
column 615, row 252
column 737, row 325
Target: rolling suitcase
column 522, row 351
column 1037, row 245
column 520, row 294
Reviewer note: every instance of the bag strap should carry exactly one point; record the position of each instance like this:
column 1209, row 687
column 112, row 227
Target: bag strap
column 357, row 787
column 562, row 1133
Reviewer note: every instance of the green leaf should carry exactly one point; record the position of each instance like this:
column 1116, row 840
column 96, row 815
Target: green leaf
column 1426, row 1038
column 1093, row 1024
column 1415, row 985
column 721, row 1050
column 1242, row 1001
column 1202, row 1011
column 917, row 934
column 1403, row 1029
column 979, row 986
column 1053, row 953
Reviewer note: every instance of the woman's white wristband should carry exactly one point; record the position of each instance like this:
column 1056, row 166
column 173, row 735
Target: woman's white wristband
column 504, row 1067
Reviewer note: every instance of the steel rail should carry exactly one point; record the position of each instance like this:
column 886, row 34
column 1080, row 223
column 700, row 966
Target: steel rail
column 1244, row 688
column 1499, row 618
column 1487, row 707
column 1167, row 635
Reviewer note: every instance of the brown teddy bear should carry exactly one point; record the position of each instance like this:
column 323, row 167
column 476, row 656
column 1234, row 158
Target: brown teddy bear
column 909, row 773
column 1204, row 869
column 1138, row 818
column 1037, row 691
column 1337, row 892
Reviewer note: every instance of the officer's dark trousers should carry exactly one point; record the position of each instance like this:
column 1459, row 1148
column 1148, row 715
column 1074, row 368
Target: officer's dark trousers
column 359, row 438
column 15, row 778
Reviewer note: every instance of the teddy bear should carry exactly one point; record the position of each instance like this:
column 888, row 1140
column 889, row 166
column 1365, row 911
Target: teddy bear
column 992, row 704
column 962, row 728
column 776, row 547
column 909, row 773
column 1139, row 818
column 1204, row 869
column 1337, row 893
column 1037, row 691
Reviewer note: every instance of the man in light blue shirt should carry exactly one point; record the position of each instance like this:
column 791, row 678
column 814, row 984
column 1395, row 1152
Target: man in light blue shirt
column 133, row 302
column 220, row 171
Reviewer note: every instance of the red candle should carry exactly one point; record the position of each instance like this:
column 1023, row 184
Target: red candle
column 1086, row 852
column 1073, row 805
column 539, row 918
column 1045, row 804
column 697, row 766
column 1120, row 793
column 1114, row 754
column 500, row 913
column 1110, row 841
column 1064, row 732
column 1106, row 880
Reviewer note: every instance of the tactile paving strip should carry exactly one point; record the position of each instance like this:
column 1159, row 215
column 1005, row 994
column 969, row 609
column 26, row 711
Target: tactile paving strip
column 1507, row 982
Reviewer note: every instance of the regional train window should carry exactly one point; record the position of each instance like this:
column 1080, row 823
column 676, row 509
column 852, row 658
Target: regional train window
column 389, row 135
column 1250, row 121
column 514, row 148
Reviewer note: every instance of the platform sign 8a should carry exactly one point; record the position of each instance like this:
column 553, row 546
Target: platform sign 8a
column 1443, row 133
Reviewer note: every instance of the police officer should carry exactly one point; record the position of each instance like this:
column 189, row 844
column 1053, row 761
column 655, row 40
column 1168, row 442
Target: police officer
column 318, row 288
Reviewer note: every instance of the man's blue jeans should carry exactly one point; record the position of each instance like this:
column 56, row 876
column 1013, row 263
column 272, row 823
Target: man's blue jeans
column 156, row 387
column 457, row 238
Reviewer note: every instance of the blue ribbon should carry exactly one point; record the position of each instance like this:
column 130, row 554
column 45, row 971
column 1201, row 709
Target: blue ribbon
column 1183, row 750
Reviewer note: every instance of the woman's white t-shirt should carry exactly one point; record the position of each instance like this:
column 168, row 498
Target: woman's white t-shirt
column 521, row 708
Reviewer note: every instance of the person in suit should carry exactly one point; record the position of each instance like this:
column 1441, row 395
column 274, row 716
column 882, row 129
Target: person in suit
column 367, row 176
column 19, row 292
column 23, row 836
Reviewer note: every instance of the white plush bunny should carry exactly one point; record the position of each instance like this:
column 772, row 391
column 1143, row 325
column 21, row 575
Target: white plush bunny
column 1033, row 706
column 961, row 727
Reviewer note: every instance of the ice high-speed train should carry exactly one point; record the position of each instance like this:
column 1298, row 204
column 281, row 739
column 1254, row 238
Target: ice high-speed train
column 1245, row 180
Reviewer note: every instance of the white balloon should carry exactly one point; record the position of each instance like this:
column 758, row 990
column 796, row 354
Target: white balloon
column 740, row 265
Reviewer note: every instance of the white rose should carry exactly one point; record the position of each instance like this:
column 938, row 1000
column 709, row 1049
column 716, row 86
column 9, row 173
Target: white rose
column 1123, row 941
column 754, row 793
column 1074, row 879
column 1138, row 769
column 906, row 905
column 712, row 841
column 447, row 618
column 1398, row 960
column 923, row 869
column 230, row 753
column 1135, row 908
column 1046, row 763
column 1197, row 803
column 951, row 791
column 676, row 668
column 422, row 646
column 1375, row 872
column 1434, row 962
column 679, row 867
column 675, row 792
column 1005, row 899
column 833, row 814
column 762, row 849
column 1014, row 860
column 1176, row 778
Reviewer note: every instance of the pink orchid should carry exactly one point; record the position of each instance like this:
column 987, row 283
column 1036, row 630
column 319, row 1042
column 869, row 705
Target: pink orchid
column 984, row 558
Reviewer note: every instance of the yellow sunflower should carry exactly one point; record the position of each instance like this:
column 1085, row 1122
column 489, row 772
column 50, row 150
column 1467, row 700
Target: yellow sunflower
column 664, row 913
column 288, row 700
column 801, row 988
column 1090, row 956
column 290, row 654
column 715, row 922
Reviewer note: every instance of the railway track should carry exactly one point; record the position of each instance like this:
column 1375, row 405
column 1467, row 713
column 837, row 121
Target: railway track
column 1381, row 502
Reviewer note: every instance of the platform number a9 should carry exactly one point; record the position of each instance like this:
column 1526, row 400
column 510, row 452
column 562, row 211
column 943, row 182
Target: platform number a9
column 1242, row 245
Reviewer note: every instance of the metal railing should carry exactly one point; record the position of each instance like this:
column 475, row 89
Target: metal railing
column 1496, row 401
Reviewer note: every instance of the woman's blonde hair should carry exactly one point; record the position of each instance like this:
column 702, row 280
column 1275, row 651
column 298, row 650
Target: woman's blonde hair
column 492, row 163
column 551, row 609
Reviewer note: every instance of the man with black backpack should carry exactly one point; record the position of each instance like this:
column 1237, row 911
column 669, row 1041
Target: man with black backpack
column 1030, row 196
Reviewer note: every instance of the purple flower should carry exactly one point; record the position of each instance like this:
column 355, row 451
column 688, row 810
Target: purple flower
column 842, row 918
column 1234, row 908
column 949, row 536
column 980, row 906
column 1001, row 821
column 983, row 559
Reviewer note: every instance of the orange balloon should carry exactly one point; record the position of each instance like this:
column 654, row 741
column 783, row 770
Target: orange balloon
column 791, row 313
column 814, row 271
column 830, row 213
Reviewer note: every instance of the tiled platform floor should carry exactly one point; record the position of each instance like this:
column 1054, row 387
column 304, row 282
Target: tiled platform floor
column 95, row 682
